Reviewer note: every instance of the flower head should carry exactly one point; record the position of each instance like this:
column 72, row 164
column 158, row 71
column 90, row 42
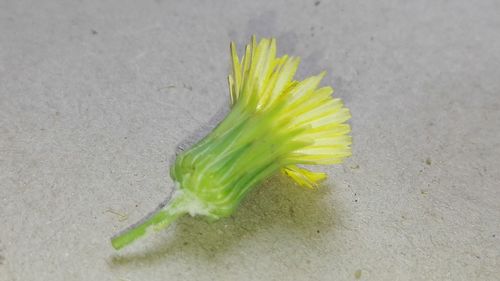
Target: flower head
column 275, row 123
column 263, row 81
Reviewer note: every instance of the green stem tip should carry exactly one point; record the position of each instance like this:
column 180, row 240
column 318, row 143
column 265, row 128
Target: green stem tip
column 166, row 213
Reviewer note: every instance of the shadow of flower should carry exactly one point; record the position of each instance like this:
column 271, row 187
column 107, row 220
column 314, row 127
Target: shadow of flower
column 277, row 206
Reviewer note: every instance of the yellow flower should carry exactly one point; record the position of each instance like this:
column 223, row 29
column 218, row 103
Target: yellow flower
column 275, row 123
column 263, row 81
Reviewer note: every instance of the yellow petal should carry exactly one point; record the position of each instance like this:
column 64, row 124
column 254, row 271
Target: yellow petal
column 304, row 177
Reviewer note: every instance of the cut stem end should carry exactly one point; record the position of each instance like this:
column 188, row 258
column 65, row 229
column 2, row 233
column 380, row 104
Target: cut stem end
column 166, row 213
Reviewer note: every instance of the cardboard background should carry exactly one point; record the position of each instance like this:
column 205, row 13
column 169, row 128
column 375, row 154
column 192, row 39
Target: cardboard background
column 95, row 97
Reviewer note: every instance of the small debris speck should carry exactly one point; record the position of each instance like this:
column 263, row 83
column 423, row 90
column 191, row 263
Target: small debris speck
column 121, row 216
column 428, row 161
column 94, row 32
column 317, row 3
column 189, row 87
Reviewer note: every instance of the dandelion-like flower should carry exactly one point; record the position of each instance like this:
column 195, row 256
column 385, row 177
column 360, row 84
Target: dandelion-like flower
column 275, row 124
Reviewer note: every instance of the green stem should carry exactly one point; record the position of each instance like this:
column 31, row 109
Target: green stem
column 167, row 212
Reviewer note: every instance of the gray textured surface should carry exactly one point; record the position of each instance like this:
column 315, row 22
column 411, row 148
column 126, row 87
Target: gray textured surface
column 95, row 97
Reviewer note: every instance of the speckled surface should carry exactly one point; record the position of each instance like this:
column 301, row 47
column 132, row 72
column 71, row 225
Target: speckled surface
column 95, row 96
